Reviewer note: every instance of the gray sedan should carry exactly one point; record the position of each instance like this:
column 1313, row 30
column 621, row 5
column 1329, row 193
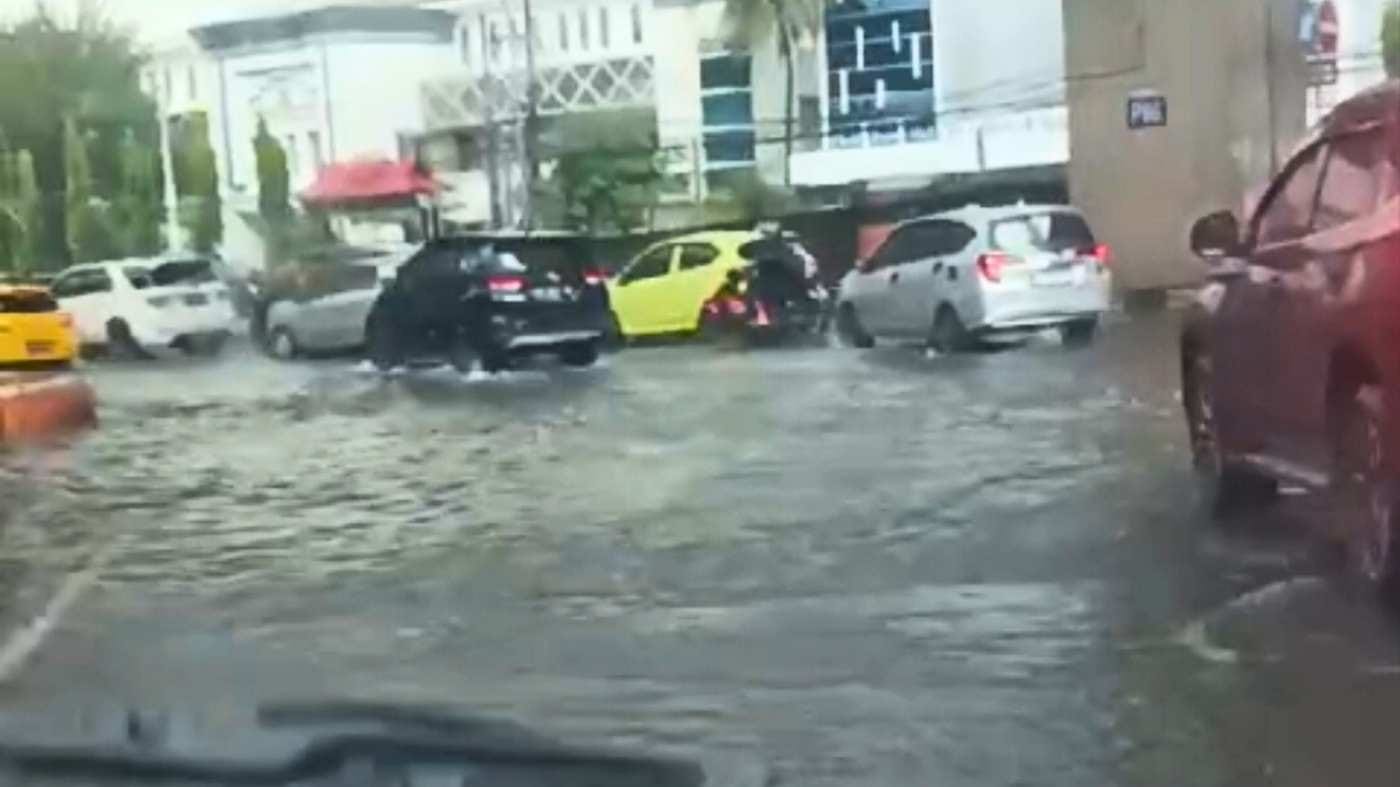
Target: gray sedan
column 327, row 321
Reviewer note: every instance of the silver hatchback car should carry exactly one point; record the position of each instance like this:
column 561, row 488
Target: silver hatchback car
column 951, row 278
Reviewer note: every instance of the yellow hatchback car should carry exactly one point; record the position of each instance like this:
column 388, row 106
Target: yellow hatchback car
column 32, row 329
column 664, row 289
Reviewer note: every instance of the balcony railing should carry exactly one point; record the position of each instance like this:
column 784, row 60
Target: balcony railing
column 469, row 100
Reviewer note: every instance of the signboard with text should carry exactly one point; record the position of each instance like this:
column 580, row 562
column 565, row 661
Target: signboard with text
column 1147, row 110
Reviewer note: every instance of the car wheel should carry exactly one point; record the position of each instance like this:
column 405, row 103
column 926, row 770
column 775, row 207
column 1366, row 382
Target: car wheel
column 1079, row 333
column 1366, row 489
column 463, row 356
column 214, row 345
column 1227, row 487
column 948, row 334
column 121, row 341
column 849, row 328
column 615, row 338
column 579, row 354
column 282, row 344
column 383, row 345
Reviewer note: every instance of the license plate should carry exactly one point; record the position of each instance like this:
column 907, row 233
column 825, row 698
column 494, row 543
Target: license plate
column 39, row 348
column 551, row 294
column 1056, row 279
column 196, row 300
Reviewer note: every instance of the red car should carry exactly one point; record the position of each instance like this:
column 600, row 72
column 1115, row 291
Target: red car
column 1290, row 357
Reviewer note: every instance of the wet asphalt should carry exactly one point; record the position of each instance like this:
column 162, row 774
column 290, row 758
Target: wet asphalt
column 816, row 566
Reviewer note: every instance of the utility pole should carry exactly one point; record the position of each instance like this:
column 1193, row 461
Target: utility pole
column 531, row 118
column 488, row 97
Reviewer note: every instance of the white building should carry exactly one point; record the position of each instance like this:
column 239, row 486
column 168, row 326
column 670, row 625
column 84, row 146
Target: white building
column 919, row 88
column 716, row 107
column 333, row 83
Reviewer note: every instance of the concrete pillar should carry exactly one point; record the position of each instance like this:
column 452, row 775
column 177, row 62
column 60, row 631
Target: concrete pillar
column 1234, row 78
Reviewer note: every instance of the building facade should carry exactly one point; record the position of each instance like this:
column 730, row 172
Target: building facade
column 916, row 89
column 711, row 102
column 332, row 84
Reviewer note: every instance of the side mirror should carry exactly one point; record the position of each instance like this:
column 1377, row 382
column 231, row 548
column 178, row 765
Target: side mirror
column 1216, row 236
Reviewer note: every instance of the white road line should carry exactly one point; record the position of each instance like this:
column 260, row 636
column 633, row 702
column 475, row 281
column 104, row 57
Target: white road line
column 26, row 641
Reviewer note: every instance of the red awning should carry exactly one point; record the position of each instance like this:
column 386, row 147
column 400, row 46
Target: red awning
column 360, row 182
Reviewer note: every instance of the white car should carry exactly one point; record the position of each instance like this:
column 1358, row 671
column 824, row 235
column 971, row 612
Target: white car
column 951, row 278
column 332, row 317
column 141, row 305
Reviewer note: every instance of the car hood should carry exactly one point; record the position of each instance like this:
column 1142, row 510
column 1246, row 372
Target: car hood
column 296, row 740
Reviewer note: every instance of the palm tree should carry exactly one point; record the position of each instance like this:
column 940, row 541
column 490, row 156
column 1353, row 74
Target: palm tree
column 751, row 22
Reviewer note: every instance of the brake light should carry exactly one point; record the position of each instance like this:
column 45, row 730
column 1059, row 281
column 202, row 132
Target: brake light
column 594, row 278
column 65, row 319
column 1101, row 252
column 989, row 265
column 505, row 285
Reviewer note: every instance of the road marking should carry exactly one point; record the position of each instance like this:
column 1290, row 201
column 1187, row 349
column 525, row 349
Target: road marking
column 17, row 649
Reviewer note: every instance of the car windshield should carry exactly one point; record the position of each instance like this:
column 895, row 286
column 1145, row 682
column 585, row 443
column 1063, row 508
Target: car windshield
column 888, row 393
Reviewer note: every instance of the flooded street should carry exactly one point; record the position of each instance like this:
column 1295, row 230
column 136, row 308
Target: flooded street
column 819, row 566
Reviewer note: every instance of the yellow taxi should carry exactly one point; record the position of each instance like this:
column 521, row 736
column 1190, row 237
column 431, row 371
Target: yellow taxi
column 33, row 330
column 664, row 289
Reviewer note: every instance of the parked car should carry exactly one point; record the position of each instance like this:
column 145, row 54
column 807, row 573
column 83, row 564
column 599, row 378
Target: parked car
column 139, row 305
column 952, row 278
column 32, row 329
column 328, row 312
column 487, row 300
column 765, row 280
column 1288, row 356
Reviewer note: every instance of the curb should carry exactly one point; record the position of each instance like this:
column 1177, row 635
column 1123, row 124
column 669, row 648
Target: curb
column 39, row 406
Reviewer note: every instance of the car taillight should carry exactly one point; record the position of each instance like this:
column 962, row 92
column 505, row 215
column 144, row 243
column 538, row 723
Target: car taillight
column 65, row 319
column 989, row 265
column 505, row 285
column 1100, row 252
column 594, row 278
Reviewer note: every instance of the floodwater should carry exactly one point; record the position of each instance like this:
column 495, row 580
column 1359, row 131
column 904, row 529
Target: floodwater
column 817, row 566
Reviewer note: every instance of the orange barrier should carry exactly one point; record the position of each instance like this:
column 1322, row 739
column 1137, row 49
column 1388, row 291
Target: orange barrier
column 38, row 406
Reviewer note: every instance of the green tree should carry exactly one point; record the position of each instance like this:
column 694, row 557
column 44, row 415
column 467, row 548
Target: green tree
column 607, row 170
column 750, row 23
column 82, row 68
column 274, row 193
column 197, row 182
column 13, row 231
column 89, row 236
column 1390, row 38
column 30, row 206
column 137, row 207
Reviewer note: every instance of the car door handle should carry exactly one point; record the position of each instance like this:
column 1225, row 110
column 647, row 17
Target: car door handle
column 894, row 278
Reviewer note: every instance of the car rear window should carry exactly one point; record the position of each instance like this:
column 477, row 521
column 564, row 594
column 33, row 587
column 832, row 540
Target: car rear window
column 567, row 259
column 27, row 303
column 183, row 272
column 1051, row 231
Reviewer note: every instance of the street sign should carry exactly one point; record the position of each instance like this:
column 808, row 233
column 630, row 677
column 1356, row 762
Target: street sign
column 1146, row 110
column 1322, row 71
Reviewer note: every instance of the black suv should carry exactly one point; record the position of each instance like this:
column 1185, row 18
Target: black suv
column 488, row 300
